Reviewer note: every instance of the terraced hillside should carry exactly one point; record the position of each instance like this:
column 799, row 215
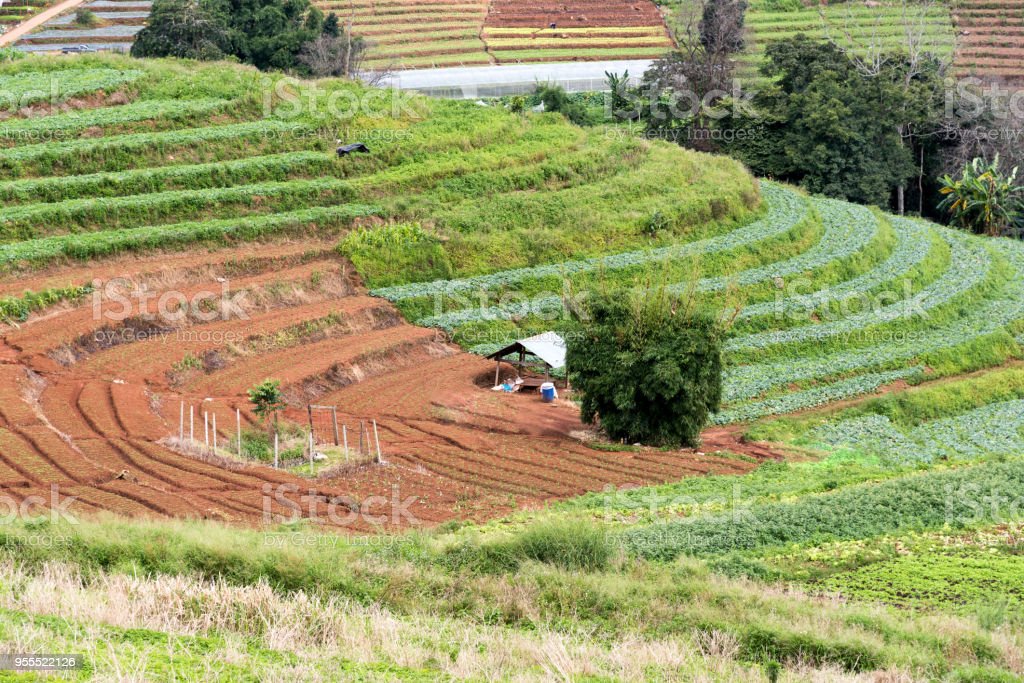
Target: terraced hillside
column 990, row 38
column 536, row 30
column 117, row 22
column 427, row 33
column 184, row 165
column 458, row 211
column 416, row 33
column 839, row 301
column 833, row 534
column 16, row 11
column 861, row 26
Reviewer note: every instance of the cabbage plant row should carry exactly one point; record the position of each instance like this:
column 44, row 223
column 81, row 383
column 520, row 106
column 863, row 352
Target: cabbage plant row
column 848, row 230
column 989, row 430
column 988, row 317
column 912, row 248
column 786, row 209
column 813, row 398
column 970, row 264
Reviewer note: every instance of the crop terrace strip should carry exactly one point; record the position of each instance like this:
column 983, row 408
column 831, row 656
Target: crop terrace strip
column 32, row 87
column 141, row 141
column 840, row 240
column 785, row 210
column 20, row 223
column 78, row 326
column 321, row 358
column 971, row 262
column 106, row 499
column 813, row 398
column 21, row 455
column 991, row 429
column 990, row 316
column 590, row 54
column 152, row 270
column 268, row 168
column 180, row 235
column 410, row 34
column 154, row 357
column 913, row 248
column 157, row 111
column 113, row 456
column 542, row 463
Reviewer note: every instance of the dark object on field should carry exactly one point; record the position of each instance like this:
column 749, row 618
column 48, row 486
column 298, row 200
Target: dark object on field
column 345, row 150
column 72, row 49
column 552, row 25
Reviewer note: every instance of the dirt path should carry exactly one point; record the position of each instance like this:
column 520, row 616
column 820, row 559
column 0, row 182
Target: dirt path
column 38, row 20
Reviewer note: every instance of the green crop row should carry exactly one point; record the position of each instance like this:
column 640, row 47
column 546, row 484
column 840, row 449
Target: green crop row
column 34, row 220
column 34, row 129
column 97, row 244
column 28, row 88
column 18, row 308
column 955, row 499
column 123, row 150
column 274, row 167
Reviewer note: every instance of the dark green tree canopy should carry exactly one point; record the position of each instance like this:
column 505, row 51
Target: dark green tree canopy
column 838, row 127
column 647, row 368
column 268, row 34
column 189, row 29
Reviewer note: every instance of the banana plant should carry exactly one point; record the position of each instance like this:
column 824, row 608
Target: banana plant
column 983, row 200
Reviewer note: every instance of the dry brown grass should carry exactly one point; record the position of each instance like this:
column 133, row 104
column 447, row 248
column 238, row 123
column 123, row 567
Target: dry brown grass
column 318, row 629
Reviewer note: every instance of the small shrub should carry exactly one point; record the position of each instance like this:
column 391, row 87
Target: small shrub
column 86, row 17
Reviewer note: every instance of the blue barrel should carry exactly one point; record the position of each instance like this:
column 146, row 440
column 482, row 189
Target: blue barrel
column 547, row 392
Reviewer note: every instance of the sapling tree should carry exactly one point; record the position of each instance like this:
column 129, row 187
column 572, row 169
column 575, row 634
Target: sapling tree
column 268, row 402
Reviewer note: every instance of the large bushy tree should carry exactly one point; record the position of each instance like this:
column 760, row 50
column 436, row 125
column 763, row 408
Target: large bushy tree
column 647, row 367
column 268, row 34
column 836, row 127
column 189, row 29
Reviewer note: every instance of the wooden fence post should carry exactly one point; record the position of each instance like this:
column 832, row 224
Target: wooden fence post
column 376, row 437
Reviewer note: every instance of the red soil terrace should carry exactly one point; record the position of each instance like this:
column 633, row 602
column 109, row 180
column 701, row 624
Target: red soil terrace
column 90, row 401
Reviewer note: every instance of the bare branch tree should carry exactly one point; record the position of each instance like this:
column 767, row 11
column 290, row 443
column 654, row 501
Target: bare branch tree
column 872, row 56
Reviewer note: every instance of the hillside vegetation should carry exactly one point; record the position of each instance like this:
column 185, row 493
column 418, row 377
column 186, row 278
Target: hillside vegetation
column 874, row 537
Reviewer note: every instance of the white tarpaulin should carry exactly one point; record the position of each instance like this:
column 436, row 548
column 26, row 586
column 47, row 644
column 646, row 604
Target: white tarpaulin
column 547, row 346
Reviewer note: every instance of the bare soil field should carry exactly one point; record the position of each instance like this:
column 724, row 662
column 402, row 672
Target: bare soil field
column 990, row 38
column 539, row 30
column 91, row 401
